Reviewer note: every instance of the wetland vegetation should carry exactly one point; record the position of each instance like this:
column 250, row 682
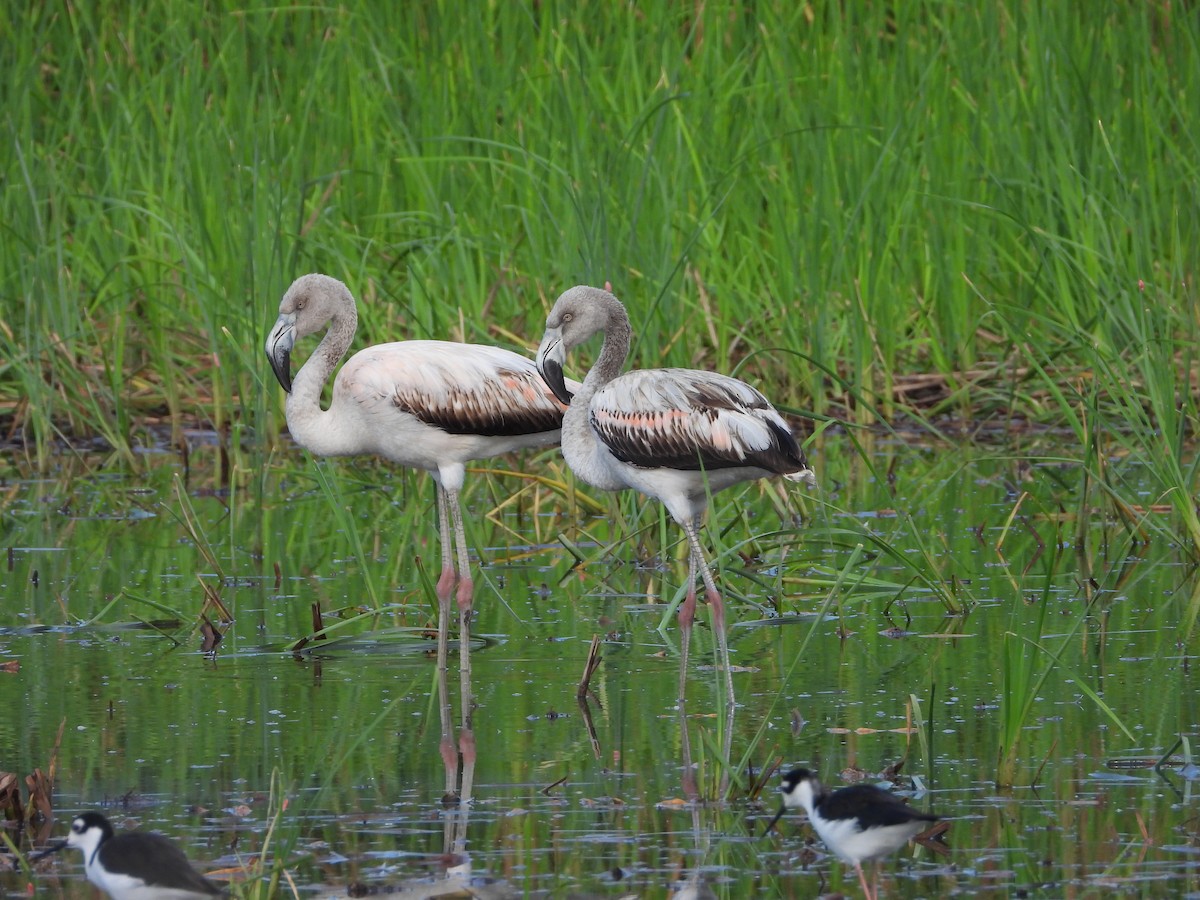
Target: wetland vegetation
column 955, row 243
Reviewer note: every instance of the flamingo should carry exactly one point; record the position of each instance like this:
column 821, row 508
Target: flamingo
column 679, row 435
column 431, row 405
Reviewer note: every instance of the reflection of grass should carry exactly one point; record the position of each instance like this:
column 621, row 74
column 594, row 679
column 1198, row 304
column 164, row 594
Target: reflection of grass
column 268, row 873
column 831, row 601
column 349, row 523
column 1027, row 662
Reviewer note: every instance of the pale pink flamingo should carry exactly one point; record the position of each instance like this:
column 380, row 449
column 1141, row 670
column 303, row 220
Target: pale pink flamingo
column 432, row 405
column 680, row 435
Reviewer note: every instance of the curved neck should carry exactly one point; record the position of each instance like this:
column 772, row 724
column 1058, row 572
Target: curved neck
column 580, row 447
column 307, row 421
column 617, row 338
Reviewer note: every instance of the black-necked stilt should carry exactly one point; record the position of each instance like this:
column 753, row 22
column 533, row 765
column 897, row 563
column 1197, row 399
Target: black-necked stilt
column 858, row 823
column 136, row 865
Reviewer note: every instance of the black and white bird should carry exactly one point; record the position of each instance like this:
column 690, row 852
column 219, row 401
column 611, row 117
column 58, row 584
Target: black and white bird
column 431, row 405
column 857, row 823
column 679, row 435
column 134, row 865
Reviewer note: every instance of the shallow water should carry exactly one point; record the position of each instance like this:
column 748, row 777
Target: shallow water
column 574, row 800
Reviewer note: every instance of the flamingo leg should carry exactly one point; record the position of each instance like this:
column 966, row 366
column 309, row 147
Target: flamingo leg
column 687, row 609
column 685, row 640
column 445, row 583
column 446, row 743
column 687, row 615
column 715, row 606
column 711, row 594
column 466, row 589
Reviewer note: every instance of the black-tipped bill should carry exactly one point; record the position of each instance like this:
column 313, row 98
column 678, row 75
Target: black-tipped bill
column 550, row 368
column 778, row 816
column 52, row 848
column 279, row 350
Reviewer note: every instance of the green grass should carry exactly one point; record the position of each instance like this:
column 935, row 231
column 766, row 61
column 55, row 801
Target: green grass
column 953, row 189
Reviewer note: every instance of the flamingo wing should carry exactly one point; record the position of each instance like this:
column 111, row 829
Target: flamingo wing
column 688, row 419
column 459, row 388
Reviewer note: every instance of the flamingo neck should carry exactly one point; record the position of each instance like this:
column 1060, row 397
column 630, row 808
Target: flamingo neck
column 580, row 447
column 312, row 427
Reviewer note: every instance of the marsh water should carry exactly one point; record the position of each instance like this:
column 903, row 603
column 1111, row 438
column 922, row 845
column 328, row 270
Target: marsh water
column 901, row 617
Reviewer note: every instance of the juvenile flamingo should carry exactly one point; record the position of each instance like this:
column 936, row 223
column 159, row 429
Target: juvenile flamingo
column 432, row 405
column 679, row 435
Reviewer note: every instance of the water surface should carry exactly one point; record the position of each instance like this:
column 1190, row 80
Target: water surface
column 914, row 598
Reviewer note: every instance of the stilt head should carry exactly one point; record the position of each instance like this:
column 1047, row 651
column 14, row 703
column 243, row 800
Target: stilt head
column 798, row 788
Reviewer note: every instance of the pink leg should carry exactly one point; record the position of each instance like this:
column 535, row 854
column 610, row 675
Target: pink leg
column 862, row 879
column 466, row 590
column 711, row 594
column 687, row 615
column 716, row 607
column 466, row 746
column 466, row 594
column 687, row 611
column 466, row 587
column 445, row 583
column 446, row 744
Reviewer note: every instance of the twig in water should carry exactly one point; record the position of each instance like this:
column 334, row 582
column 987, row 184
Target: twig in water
column 593, row 663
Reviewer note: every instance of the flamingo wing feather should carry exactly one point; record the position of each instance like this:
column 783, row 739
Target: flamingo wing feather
column 459, row 388
column 690, row 420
